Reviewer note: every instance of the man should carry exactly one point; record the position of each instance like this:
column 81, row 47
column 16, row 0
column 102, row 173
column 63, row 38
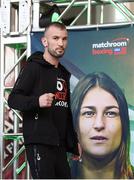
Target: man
column 42, row 93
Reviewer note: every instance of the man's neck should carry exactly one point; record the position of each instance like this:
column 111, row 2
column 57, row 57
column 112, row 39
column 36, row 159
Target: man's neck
column 52, row 60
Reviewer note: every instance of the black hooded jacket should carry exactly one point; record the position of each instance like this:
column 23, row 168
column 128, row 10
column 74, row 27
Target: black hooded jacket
column 53, row 125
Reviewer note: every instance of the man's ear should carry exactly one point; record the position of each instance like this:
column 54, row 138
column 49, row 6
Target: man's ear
column 44, row 41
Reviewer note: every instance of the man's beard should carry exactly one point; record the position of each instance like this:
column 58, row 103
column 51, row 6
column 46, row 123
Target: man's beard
column 55, row 54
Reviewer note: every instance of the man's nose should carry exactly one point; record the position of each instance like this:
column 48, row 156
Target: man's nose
column 99, row 123
column 60, row 42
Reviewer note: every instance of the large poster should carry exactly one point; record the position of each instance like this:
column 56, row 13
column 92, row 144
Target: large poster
column 106, row 49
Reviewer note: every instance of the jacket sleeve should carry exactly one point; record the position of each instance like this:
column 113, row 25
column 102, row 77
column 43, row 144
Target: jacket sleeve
column 21, row 96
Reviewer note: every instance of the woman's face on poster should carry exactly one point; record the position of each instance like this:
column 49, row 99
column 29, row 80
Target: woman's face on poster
column 99, row 126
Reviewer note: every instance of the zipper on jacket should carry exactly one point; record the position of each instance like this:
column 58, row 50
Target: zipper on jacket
column 36, row 116
column 37, row 158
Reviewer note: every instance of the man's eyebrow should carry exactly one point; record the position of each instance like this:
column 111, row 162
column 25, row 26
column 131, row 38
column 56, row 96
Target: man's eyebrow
column 55, row 36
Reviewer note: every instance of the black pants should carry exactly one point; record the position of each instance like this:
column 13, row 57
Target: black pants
column 48, row 162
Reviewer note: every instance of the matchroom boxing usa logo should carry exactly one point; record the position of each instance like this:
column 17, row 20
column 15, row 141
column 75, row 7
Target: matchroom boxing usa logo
column 115, row 47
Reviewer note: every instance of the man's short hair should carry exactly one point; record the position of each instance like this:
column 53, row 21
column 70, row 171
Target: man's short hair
column 55, row 24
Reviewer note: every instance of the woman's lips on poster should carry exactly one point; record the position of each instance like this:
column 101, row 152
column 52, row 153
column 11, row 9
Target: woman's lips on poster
column 99, row 138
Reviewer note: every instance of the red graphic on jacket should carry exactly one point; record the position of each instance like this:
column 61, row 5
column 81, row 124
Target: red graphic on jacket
column 61, row 93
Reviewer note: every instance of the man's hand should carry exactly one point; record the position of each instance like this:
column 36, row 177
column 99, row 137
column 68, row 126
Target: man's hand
column 46, row 99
